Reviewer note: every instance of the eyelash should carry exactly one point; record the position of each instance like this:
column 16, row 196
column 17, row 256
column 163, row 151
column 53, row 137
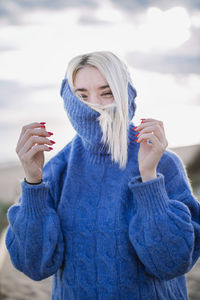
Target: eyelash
column 109, row 93
column 105, row 94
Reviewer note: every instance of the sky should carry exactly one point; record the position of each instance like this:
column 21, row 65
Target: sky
column 158, row 39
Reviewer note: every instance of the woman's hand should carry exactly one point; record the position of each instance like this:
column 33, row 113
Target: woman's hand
column 30, row 150
column 150, row 153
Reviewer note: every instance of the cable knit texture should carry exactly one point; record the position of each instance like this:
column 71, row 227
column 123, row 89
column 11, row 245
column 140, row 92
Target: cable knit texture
column 101, row 232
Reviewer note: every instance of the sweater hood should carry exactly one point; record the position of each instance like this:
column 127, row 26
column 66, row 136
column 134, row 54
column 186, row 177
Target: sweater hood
column 84, row 119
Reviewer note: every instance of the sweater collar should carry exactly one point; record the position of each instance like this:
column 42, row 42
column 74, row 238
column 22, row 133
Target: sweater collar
column 84, row 121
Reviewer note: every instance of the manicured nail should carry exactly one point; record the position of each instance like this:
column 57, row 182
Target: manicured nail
column 50, row 148
column 137, row 134
column 49, row 132
column 42, row 123
column 136, row 140
column 52, row 142
column 42, row 126
column 134, row 128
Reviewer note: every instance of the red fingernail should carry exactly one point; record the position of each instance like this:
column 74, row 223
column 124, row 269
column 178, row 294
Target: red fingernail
column 52, row 142
column 137, row 134
column 49, row 132
column 43, row 126
column 42, row 123
column 136, row 140
column 134, row 128
column 50, row 148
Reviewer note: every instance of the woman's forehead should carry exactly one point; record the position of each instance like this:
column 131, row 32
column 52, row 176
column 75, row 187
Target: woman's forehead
column 90, row 76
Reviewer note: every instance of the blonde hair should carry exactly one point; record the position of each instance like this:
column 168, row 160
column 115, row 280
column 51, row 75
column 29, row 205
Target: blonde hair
column 114, row 117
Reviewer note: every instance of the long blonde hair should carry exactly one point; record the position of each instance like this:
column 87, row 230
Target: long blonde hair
column 114, row 118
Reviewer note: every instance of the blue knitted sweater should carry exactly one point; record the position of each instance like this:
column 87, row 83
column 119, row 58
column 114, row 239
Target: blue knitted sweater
column 99, row 230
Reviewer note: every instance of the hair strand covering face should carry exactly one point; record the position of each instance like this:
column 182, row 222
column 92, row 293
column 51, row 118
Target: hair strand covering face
column 114, row 118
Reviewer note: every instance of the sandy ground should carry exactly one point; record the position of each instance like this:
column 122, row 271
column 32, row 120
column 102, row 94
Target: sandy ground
column 14, row 284
column 10, row 187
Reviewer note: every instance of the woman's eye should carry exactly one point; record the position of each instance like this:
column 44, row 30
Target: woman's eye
column 107, row 94
column 83, row 96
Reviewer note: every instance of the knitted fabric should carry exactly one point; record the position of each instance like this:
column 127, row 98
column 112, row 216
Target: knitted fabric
column 84, row 119
column 102, row 232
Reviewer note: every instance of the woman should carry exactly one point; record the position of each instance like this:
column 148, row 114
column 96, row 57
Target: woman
column 112, row 215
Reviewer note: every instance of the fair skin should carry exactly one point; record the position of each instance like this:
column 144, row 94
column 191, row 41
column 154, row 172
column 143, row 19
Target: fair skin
column 30, row 150
column 93, row 87
column 150, row 154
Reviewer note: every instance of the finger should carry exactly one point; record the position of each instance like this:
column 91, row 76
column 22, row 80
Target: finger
column 26, row 157
column 147, row 120
column 28, row 133
column 159, row 129
column 144, row 125
column 151, row 120
column 29, row 126
column 32, row 141
column 156, row 129
column 148, row 136
column 154, row 140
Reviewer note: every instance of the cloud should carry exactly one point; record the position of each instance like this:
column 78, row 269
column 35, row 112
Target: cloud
column 5, row 48
column 11, row 93
column 6, row 45
column 88, row 19
column 192, row 46
column 12, row 11
column 164, row 63
column 182, row 60
column 14, row 94
column 135, row 6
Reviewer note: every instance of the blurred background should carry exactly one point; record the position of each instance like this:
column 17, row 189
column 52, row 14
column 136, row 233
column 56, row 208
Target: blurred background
column 158, row 39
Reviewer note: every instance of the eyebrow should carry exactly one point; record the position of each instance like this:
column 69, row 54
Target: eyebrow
column 85, row 90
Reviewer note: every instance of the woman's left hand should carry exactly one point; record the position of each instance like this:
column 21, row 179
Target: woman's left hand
column 150, row 154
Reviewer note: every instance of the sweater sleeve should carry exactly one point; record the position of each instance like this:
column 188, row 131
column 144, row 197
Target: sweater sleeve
column 165, row 230
column 34, row 238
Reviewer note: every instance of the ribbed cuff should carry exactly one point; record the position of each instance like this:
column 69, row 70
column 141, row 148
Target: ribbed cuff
column 34, row 198
column 151, row 196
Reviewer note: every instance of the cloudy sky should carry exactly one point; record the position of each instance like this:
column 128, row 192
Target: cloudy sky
column 159, row 40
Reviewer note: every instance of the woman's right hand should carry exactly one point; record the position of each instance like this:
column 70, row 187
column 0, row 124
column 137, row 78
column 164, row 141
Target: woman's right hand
column 30, row 150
